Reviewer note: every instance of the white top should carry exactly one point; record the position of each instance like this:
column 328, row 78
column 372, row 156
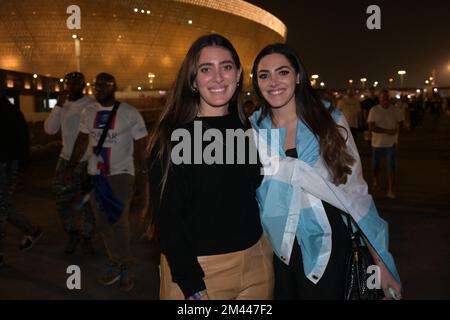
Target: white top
column 388, row 118
column 67, row 118
column 117, row 152
column 351, row 108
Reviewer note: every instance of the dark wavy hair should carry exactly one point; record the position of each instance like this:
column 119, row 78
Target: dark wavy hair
column 183, row 101
column 311, row 110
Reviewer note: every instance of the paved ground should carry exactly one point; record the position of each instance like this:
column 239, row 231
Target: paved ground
column 419, row 226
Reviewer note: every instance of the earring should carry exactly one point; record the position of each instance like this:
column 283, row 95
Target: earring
column 237, row 84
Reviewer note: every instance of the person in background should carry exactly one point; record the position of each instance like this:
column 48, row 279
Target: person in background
column 385, row 122
column 65, row 117
column 351, row 108
column 126, row 137
column 14, row 155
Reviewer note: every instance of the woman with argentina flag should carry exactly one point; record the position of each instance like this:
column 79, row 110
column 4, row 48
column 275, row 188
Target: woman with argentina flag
column 317, row 176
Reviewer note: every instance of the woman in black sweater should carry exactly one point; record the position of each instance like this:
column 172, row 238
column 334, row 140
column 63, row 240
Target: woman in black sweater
column 203, row 197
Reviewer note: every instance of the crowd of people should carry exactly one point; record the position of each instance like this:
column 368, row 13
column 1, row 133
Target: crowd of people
column 225, row 231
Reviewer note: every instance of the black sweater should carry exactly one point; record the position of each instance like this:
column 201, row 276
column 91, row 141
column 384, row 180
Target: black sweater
column 205, row 209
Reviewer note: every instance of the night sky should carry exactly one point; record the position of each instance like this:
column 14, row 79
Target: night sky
column 333, row 41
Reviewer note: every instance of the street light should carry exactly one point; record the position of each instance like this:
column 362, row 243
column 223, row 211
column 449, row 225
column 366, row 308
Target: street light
column 401, row 73
column 77, row 50
column 363, row 81
column 314, row 78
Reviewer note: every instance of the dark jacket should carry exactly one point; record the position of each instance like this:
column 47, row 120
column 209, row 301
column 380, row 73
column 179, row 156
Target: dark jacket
column 14, row 134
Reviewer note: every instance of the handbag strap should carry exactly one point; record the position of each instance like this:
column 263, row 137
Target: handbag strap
column 102, row 139
column 354, row 235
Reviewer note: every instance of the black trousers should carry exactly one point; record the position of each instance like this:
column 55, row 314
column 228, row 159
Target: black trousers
column 291, row 282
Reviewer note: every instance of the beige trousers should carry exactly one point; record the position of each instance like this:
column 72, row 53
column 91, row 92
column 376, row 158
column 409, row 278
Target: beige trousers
column 241, row 275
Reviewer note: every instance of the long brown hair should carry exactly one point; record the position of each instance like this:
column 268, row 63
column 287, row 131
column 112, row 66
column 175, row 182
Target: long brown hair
column 183, row 102
column 313, row 113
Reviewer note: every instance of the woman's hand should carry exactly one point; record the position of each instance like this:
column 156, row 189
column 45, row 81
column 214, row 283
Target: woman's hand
column 388, row 282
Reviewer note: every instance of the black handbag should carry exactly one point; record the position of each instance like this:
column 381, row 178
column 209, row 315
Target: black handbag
column 358, row 262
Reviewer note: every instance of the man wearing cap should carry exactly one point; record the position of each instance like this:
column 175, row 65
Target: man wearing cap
column 66, row 116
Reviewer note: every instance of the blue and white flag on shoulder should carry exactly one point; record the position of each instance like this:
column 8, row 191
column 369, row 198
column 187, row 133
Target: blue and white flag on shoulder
column 291, row 194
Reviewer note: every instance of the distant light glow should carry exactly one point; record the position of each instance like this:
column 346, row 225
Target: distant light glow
column 397, row 95
column 322, row 84
column 418, row 90
column 139, row 88
column 74, row 36
column 136, row 9
column 401, row 72
column 35, row 75
column 315, row 76
column 190, row 21
column 363, row 79
column 435, row 89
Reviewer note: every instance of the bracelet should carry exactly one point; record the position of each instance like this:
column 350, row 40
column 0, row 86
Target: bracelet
column 198, row 295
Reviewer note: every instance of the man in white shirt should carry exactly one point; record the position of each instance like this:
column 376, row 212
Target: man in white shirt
column 385, row 121
column 351, row 108
column 66, row 116
column 127, row 135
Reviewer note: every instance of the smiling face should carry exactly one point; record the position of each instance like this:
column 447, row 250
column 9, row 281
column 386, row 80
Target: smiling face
column 277, row 80
column 216, row 80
